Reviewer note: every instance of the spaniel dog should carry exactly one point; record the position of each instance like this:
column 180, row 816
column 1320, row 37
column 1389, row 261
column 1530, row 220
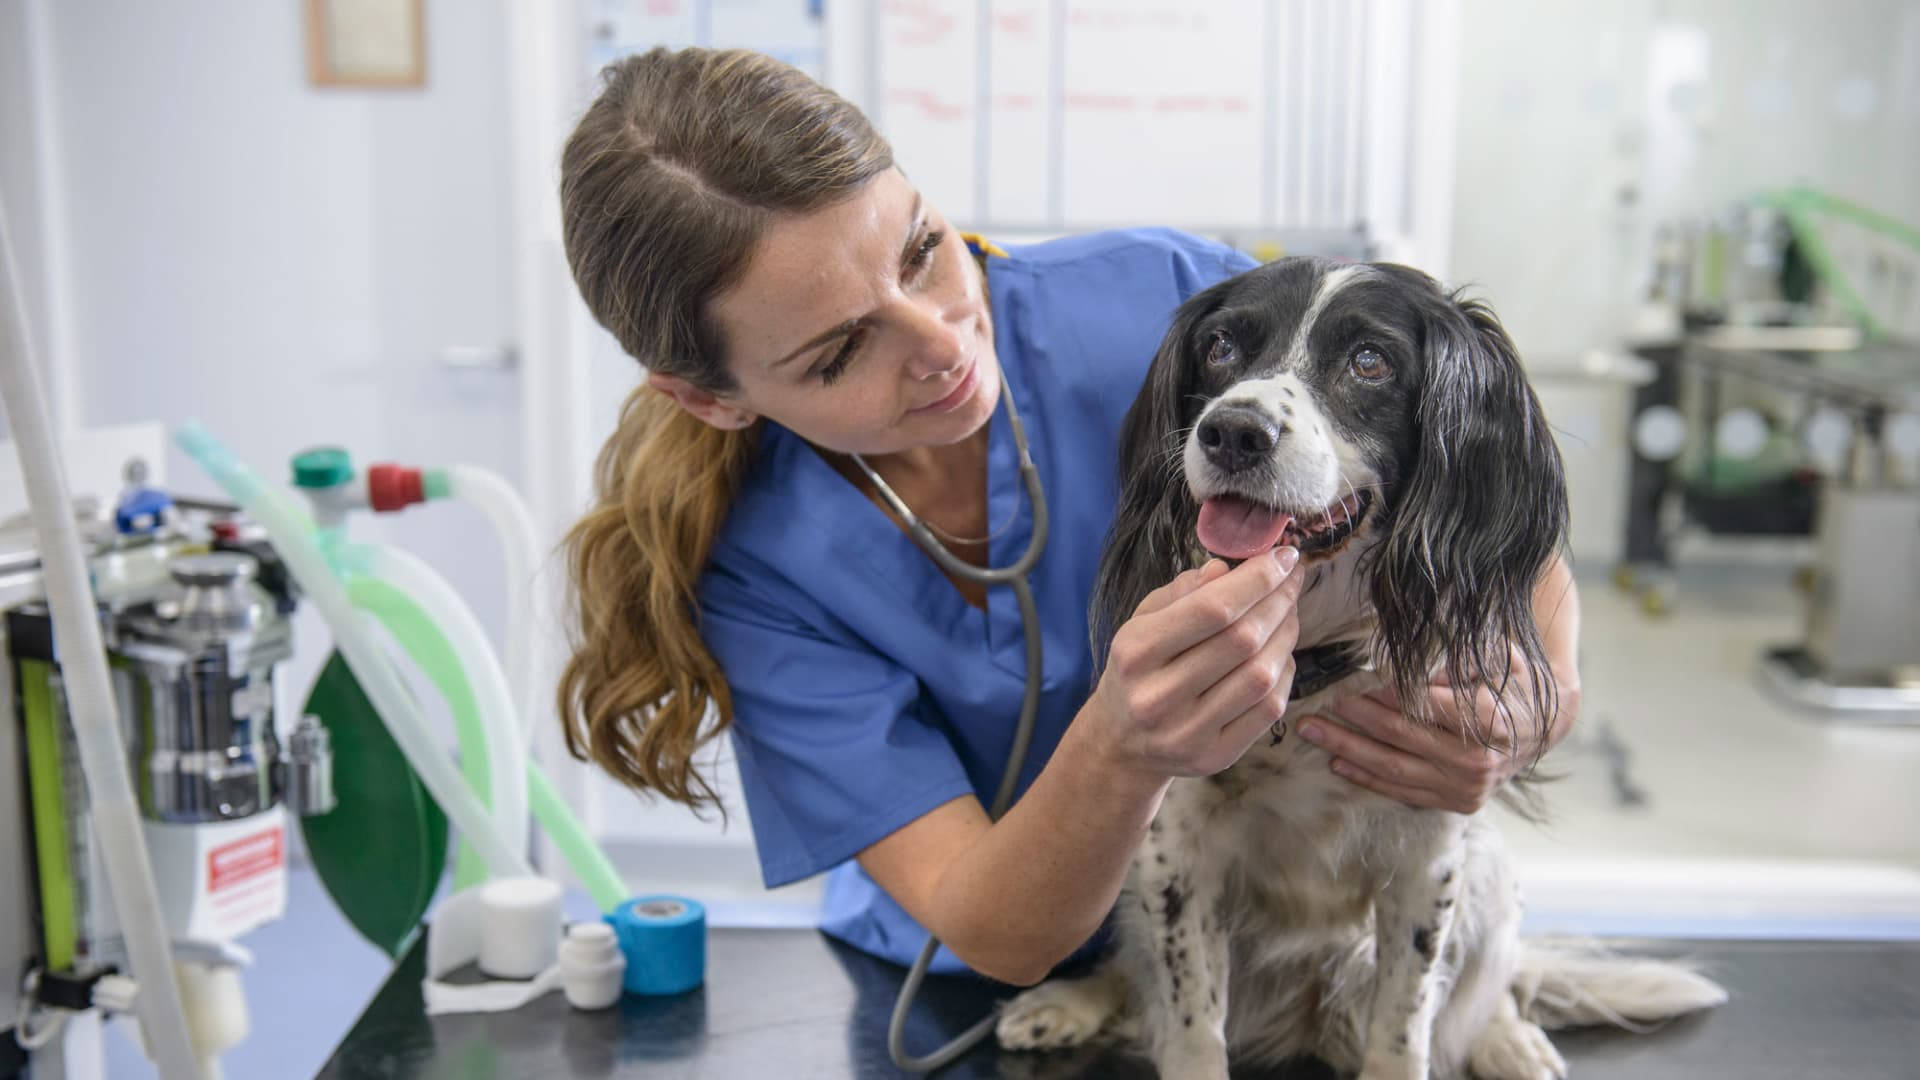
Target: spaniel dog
column 1386, row 429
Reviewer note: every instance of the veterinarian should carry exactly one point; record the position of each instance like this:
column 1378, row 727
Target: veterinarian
column 814, row 334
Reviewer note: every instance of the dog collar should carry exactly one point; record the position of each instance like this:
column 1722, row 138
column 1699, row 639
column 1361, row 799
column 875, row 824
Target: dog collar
column 1317, row 668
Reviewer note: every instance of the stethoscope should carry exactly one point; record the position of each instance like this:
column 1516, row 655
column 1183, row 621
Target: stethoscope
column 1014, row 574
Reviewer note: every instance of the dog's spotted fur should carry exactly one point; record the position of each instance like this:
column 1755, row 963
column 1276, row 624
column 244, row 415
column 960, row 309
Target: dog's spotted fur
column 1276, row 910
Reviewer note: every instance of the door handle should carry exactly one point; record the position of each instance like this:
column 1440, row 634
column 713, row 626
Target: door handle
column 480, row 357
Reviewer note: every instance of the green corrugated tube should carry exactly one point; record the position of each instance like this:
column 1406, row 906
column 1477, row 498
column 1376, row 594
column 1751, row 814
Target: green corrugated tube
column 429, row 649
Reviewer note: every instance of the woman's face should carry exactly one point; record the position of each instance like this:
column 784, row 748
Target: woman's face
column 862, row 327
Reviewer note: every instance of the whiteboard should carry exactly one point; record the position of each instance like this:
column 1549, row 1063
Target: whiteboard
column 788, row 30
column 1060, row 115
column 1286, row 118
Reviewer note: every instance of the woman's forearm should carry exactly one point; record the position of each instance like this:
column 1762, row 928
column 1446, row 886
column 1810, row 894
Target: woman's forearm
column 1198, row 673
column 1038, row 883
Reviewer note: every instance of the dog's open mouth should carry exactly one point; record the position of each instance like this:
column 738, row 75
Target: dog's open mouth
column 1234, row 527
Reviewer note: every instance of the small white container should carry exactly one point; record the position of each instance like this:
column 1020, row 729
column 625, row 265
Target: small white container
column 519, row 926
column 591, row 965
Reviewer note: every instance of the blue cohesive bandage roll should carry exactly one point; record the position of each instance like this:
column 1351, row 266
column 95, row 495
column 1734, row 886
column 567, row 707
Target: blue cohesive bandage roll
column 664, row 939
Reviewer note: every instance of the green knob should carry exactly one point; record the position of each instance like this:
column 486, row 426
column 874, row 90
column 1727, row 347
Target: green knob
column 322, row 467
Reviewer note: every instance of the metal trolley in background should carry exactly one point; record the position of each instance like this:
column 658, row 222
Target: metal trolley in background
column 1851, row 487
column 1860, row 658
column 1801, row 423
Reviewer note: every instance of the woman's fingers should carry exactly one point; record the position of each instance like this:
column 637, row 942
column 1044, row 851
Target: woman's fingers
column 1380, row 717
column 1210, row 607
column 1207, row 628
column 1255, row 721
column 1422, row 798
column 1247, row 644
column 1382, row 750
column 1378, row 758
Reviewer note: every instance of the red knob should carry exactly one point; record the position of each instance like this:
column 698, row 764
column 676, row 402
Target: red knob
column 390, row 488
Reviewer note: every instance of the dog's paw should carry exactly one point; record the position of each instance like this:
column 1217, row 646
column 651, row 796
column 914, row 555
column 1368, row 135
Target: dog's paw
column 1516, row 1050
column 1052, row 1016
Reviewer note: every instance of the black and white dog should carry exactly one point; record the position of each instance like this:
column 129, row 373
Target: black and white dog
column 1387, row 430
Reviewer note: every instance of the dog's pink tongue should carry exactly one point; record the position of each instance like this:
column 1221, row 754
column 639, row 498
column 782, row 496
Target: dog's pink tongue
column 1237, row 529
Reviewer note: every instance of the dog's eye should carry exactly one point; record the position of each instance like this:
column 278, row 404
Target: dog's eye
column 1370, row 364
column 1222, row 351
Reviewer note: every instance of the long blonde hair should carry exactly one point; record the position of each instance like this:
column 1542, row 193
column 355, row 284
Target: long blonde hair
column 667, row 183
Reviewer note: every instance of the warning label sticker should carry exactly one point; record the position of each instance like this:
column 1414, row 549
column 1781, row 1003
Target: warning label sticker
column 234, row 864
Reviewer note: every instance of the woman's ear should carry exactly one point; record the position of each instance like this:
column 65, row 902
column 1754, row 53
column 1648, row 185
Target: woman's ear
column 702, row 404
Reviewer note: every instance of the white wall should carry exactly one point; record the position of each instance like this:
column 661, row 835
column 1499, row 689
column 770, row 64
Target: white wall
column 1554, row 121
column 19, row 179
column 1547, row 94
column 263, row 253
column 284, row 262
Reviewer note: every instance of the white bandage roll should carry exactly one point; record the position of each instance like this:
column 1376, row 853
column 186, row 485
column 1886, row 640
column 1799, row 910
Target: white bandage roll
column 519, row 927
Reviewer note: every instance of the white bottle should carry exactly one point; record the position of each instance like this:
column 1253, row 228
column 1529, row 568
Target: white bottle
column 591, row 965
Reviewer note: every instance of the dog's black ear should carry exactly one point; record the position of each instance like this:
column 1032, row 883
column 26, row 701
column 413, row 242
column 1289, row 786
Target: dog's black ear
column 1149, row 540
column 1477, row 520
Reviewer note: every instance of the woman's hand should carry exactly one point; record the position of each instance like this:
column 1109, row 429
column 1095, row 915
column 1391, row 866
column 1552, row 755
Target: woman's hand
column 1202, row 669
column 1469, row 749
column 1457, row 761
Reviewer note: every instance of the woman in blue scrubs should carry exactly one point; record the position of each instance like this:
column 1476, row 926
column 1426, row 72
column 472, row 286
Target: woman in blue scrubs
column 747, row 237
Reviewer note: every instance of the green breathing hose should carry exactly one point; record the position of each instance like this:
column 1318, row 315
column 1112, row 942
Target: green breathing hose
column 430, row 651
column 1801, row 206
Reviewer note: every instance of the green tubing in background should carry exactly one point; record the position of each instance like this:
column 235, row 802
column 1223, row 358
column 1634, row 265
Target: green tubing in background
column 1803, row 207
column 428, row 648
column 589, row 863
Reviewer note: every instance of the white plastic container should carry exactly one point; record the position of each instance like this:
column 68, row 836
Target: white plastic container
column 591, row 965
column 519, row 926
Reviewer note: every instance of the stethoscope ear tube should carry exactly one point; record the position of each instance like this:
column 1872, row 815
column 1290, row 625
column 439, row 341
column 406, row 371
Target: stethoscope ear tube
column 1015, row 575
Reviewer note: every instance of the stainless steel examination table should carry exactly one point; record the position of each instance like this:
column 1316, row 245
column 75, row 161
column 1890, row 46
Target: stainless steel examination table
column 793, row 1004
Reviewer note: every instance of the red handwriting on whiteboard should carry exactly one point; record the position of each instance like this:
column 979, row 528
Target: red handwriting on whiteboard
column 917, row 23
column 1103, row 102
column 1196, row 103
column 929, row 106
column 1008, row 23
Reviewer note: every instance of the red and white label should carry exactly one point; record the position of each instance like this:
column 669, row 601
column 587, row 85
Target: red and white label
column 234, row 864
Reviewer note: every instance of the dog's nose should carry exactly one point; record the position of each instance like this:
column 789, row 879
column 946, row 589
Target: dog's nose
column 1238, row 437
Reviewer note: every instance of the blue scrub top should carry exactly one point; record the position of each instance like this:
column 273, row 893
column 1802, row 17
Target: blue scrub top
column 866, row 690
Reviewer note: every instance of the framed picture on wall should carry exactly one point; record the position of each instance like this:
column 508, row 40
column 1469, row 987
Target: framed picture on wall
column 380, row 43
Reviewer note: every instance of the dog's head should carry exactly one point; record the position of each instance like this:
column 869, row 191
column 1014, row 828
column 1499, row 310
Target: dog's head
column 1355, row 411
